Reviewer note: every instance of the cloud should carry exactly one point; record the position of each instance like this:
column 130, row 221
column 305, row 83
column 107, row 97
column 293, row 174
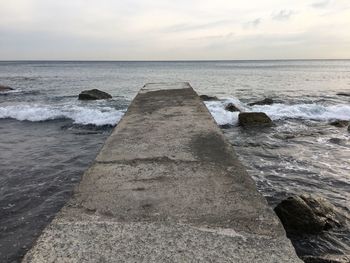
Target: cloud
column 283, row 15
column 253, row 23
column 190, row 27
column 167, row 29
column 321, row 4
column 214, row 37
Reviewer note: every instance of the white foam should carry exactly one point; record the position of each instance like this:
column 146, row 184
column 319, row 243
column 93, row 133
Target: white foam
column 305, row 111
column 11, row 91
column 80, row 115
column 278, row 111
column 222, row 116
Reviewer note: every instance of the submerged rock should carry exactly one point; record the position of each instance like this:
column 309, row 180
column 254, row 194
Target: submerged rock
column 339, row 123
column 208, row 98
column 306, row 214
column 347, row 94
column 248, row 119
column 5, row 88
column 266, row 101
column 232, row 108
column 94, row 94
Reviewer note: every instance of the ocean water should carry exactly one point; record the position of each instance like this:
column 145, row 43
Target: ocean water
column 48, row 138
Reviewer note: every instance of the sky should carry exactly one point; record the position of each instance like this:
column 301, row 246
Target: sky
column 174, row 29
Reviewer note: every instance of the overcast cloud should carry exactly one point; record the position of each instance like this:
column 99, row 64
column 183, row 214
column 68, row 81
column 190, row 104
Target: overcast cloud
column 174, row 30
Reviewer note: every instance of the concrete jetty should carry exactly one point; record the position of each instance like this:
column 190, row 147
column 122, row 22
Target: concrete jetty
column 166, row 187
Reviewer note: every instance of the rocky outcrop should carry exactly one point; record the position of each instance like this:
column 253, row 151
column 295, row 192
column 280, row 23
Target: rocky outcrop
column 339, row 123
column 208, row 98
column 266, row 101
column 249, row 119
column 5, row 88
column 306, row 214
column 347, row 94
column 94, row 94
column 232, row 108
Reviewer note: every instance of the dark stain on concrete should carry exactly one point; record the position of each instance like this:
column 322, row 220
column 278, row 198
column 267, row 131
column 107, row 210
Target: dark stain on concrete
column 211, row 147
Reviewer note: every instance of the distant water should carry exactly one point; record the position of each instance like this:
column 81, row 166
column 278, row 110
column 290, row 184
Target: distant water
column 48, row 138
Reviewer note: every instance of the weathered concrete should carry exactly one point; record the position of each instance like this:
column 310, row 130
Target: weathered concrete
column 166, row 187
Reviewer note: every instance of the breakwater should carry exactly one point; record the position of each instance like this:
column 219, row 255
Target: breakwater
column 166, row 187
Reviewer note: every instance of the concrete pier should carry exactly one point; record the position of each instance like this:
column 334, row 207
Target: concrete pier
column 166, row 187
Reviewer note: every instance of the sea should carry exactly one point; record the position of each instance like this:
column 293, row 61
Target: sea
column 48, row 138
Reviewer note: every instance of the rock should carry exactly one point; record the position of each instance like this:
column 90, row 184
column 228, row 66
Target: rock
column 208, row 98
column 339, row 123
column 266, row 101
column 232, row 108
column 337, row 141
column 248, row 119
column 5, row 88
column 306, row 214
column 226, row 126
column 326, row 259
column 347, row 94
column 94, row 94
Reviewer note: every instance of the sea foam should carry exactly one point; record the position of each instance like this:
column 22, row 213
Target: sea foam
column 80, row 115
column 278, row 111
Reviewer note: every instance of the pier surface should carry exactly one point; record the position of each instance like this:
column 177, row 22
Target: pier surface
column 166, row 187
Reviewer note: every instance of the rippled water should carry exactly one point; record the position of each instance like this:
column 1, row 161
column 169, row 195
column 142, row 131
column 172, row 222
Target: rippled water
column 48, row 138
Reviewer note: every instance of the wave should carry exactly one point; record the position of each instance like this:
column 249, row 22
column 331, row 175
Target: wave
column 10, row 91
column 80, row 115
column 279, row 111
column 103, row 115
column 222, row 116
column 306, row 111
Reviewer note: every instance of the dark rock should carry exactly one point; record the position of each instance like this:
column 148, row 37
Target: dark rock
column 94, row 94
column 326, row 259
column 347, row 94
column 5, row 88
column 226, row 126
column 339, row 123
column 266, row 101
column 337, row 141
column 248, row 119
column 306, row 214
column 208, row 98
column 232, row 108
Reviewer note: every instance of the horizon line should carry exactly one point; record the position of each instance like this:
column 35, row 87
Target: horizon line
column 176, row 60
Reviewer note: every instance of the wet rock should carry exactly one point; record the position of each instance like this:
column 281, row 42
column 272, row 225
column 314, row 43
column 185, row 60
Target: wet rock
column 208, row 98
column 326, row 259
column 337, row 141
column 347, row 94
column 248, row 119
column 94, row 94
column 266, row 101
column 306, row 214
column 5, row 88
column 339, row 123
column 226, row 126
column 232, row 108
